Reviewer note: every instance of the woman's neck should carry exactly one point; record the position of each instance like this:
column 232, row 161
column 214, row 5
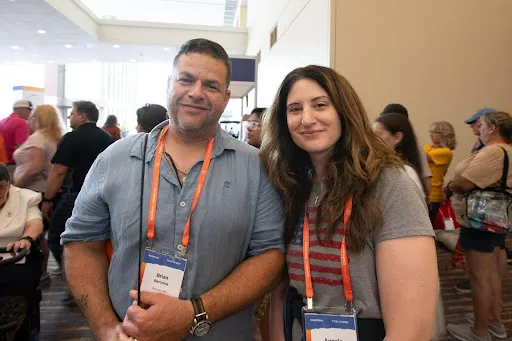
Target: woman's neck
column 436, row 145
column 319, row 162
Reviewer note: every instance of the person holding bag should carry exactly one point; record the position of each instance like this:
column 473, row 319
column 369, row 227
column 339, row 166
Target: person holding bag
column 363, row 267
column 482, row 235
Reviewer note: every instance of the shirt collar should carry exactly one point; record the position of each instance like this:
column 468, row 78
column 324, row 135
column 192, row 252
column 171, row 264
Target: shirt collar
column 223, row 141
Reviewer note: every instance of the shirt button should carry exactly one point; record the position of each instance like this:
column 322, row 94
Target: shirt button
column 182, row 204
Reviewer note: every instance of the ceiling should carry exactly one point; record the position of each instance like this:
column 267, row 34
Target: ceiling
column 21, row 19
column 190, row 12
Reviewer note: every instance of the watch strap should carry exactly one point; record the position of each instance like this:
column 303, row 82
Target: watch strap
column 30, row 239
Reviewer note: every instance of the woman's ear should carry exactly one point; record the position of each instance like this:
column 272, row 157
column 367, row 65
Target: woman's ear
column 398, row 137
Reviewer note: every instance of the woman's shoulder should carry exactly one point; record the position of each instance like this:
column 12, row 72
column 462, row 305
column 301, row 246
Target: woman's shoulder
column 27, row 195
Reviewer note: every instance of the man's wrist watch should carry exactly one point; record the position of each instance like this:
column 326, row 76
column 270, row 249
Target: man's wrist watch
column 202, row 324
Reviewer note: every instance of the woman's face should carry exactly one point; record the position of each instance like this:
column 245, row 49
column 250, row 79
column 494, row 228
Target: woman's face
column 435, row 135
column 254, row 130
column 32, row 121
column 4, row 192
column 390, row 139
column 313, row 122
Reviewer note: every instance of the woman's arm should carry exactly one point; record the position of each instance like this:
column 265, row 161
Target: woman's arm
column 277, row 310
column 408, row 285
column 33, row 228
column 460, row 185
column 35, row 164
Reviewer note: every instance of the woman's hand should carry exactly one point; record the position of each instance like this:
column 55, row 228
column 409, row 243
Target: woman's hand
column 20, row 244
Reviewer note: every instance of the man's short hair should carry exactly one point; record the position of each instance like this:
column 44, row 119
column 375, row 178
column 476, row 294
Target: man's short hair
column 209, row 48
column 395, row 108
column 87, row 108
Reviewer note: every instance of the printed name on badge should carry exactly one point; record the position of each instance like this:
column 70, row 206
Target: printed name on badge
column 324, row 327
column 162, row 273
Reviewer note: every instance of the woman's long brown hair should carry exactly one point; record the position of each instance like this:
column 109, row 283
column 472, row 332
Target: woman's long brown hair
column 353, row 169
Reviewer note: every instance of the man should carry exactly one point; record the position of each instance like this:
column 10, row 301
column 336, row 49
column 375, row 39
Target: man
column 458, row 256
column 426, row 175
column 15, row 129
column 75, row 153
column 235, row 251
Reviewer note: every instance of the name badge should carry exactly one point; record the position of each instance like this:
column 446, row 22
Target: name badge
column 448, row 224
column 326, row 327
column 162, row 273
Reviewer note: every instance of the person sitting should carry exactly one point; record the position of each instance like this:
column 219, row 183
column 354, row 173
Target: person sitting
column 21, row 225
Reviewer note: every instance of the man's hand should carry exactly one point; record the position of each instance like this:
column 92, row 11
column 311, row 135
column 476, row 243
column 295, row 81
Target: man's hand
column 47, row 209
column 165, row 318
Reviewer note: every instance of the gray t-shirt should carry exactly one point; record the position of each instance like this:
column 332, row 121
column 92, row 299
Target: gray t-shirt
column 404, row 214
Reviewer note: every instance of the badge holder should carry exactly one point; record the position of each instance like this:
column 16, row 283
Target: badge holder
column 329, row 323
column 162, row 273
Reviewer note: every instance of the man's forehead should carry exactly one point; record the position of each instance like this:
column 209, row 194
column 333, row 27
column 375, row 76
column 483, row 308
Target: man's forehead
column 202, row 65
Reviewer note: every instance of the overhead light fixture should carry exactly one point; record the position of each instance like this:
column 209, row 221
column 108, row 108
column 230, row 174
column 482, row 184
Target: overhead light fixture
column 51, row 62
column 15, row 47
column 89, row 46
column 94, row 61
column 166, row 48
column 35, row 55
column 68, row 46
column 12, row 0
column 133, row 60
column 115, row 46
column 41, row 31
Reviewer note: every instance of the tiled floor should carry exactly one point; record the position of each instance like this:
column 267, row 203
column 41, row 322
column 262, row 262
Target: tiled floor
column 60, row 322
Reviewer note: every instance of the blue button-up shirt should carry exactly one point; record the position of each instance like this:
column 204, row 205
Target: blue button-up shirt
column 239, row 215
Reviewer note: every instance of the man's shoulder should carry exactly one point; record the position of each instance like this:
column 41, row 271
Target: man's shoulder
column 126, row 146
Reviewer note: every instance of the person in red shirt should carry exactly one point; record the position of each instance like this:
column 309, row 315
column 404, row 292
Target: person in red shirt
column 15, row 128
column 112, row 128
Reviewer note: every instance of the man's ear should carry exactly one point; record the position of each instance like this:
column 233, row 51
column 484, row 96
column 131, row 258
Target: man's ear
column 227, row 98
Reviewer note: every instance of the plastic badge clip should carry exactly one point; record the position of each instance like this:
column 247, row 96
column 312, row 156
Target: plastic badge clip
column 349, row 307
column 183, row 250
column 149, row 244
column 310, row 303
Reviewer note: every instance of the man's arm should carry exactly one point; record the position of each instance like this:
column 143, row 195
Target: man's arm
column 55, row 180
column 250, row 280
column 89, row 286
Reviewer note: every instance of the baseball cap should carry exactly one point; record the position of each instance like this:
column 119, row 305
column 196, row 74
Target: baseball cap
column 478, row 114
column 22, row 103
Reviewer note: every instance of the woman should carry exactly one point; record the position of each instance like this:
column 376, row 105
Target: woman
column 149, row 116
column 112, row 128
column 318, row 149
column 254, row 127
column 439, row 156
column 33, row 161
column 20, row 225
column 484, row 251
column 397, row 132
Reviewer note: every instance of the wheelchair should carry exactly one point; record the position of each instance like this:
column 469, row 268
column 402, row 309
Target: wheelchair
column 20, row 294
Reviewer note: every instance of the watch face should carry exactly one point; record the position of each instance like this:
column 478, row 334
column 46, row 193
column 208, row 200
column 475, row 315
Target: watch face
column 202, row 328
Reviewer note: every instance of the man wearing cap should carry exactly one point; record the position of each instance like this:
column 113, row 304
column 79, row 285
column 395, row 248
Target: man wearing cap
column 473, row 121
column 15, row 128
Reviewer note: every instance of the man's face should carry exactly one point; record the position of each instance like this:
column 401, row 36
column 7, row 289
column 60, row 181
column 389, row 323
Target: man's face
column 75, row 119
column 24, row 113
column 198, row 94
column 475, row 126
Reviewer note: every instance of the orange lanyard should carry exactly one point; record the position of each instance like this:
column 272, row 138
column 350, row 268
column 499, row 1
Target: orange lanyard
column 154, row 191
column 496, row 142
column 345, row 269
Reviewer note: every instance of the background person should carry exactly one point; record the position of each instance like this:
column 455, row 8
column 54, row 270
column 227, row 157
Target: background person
column 149, row 116
column 486, row 259
column 112, row 127
column 254, row 127
column 15, row 129
column 439, row 156
column 33, row 162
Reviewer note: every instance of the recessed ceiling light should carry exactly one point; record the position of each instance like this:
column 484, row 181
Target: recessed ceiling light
column 89, row 46
column 41, row 31
column 35, row 55
column 166, row 48
column 12, row 0
column 115, row 46
column 15, row 47
column 51, row 62
column 68, row 46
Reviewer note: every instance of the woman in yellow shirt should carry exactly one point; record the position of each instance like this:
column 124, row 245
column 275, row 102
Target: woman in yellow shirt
column 439, row 156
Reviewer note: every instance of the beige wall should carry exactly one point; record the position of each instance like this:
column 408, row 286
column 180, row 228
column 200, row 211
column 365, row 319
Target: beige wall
column 442, row 59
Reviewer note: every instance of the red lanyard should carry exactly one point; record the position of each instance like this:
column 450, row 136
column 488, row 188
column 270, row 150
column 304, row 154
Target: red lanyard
column 496, row 142
column 154, row 190
column 345, row 269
